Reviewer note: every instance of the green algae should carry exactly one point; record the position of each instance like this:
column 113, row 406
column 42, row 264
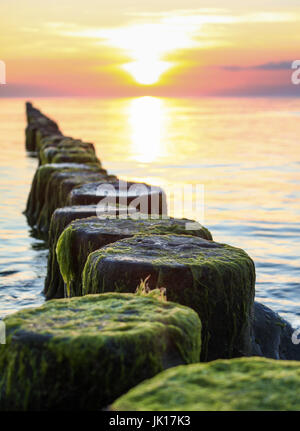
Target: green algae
column 144, row 290
column 66, row 150
column 57, row 190
column 75, row 157
column 43, row 176
column 82, row 237
column 252, row 384
column 30, row 132
column 54, row 283
column 216, row 280
column 51, row 186
column 82, row 353
column 64, row 251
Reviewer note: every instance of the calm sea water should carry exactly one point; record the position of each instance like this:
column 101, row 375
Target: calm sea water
column 246, row 153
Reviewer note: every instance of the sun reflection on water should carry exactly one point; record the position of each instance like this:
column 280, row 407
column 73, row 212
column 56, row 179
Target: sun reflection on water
column 147, row 124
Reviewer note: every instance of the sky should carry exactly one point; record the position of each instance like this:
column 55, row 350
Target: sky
column 121, row 48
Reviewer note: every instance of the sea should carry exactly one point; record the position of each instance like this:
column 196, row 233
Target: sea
column 243, row 154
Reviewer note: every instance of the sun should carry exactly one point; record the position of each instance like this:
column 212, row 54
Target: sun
column 148, row 45
column 147, row 72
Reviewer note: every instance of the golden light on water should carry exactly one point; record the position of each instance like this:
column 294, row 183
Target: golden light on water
column 147, row 123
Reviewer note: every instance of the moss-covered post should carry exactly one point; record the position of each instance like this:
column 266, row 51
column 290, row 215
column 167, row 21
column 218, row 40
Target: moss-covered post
column 83, row 353
column 216, row 280
column 82, row 237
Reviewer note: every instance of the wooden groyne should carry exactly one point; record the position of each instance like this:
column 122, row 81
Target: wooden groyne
column 38, row 127
column 63, row 208
column 70, row 174
column 131, row 291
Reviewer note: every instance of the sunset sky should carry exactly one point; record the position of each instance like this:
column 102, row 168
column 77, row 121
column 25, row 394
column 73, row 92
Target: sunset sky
column 166, row 48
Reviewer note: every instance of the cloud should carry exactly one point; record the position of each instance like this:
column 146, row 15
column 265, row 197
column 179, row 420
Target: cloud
column 25, row 90
column 281, row 65
column 191, row 20
column 219, row 15
column 288, row 90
